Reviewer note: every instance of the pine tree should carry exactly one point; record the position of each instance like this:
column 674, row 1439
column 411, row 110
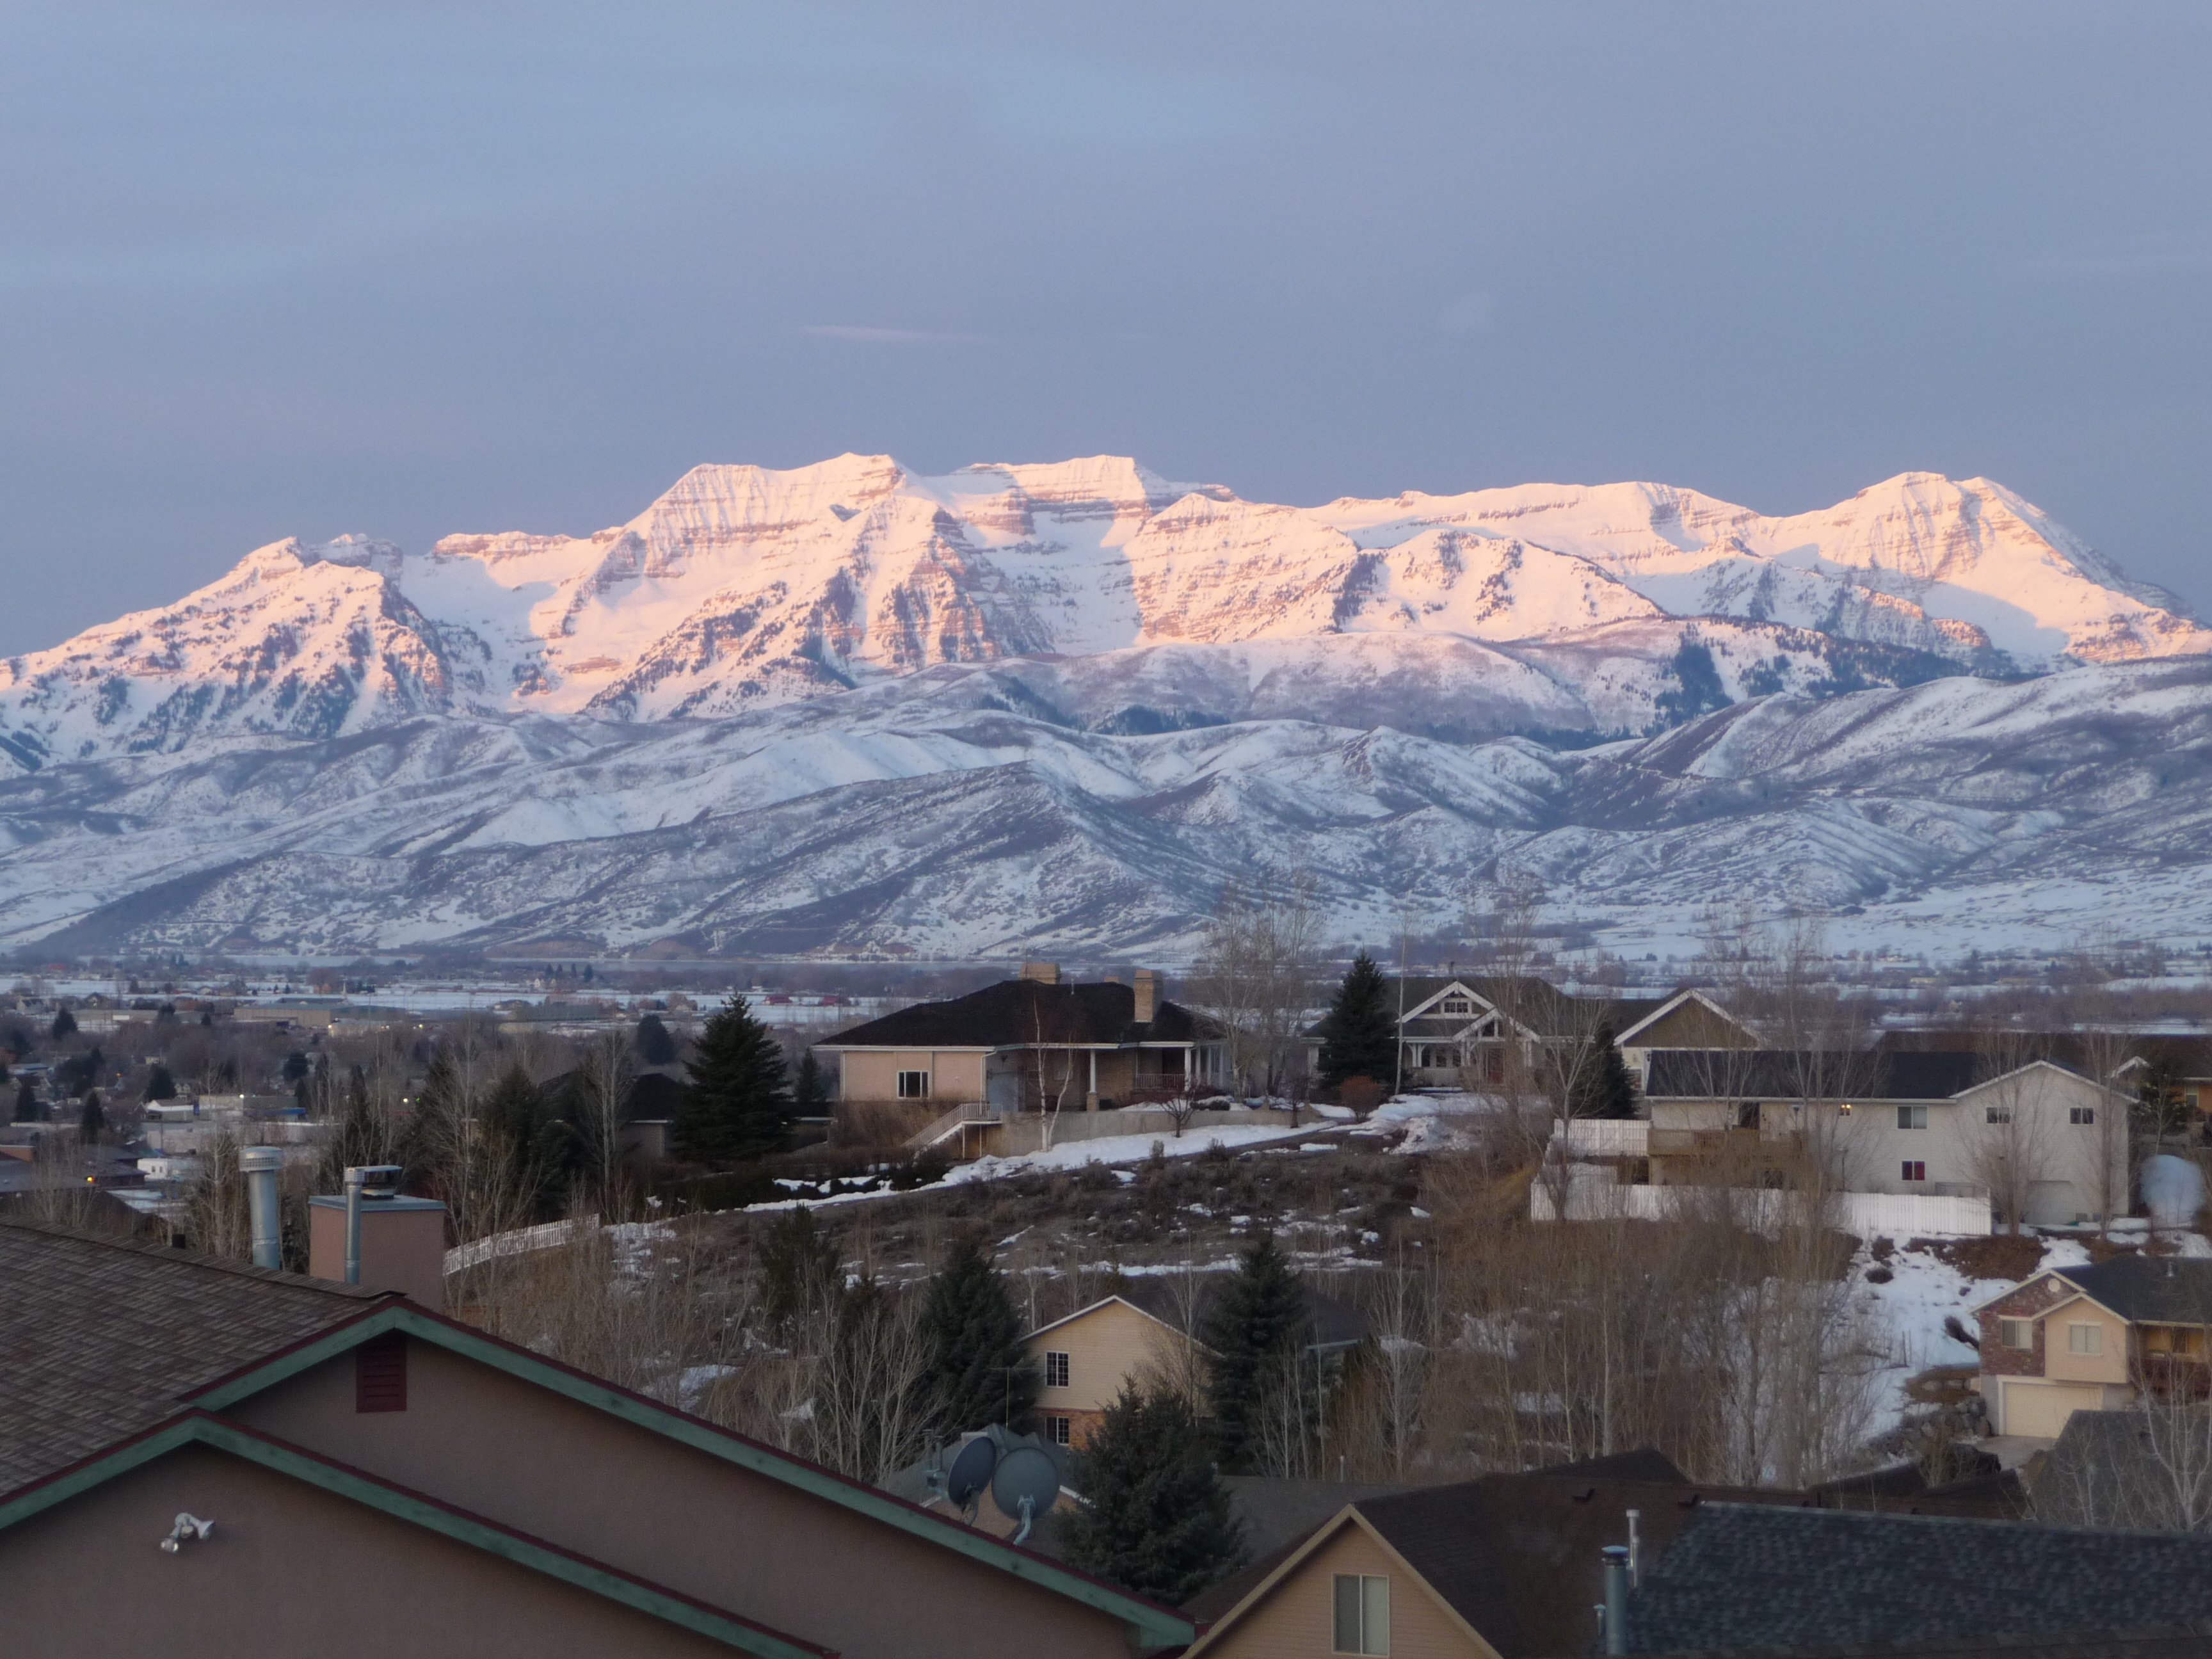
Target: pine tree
column 799, row 1267
column 1155, row 1518
column 1602, row 1085
column 65, row 1025
column 27, row 1102
column 737, row 1103
column 160, row 1084
column 655, row 1045
column 810, row 1093
column 1359, row 1033
column 527, row 1139
column 1255, row 1329
column 91, row 1120
column 979, row 1373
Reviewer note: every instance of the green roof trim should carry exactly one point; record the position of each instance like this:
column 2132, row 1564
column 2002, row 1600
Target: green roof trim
column 1150, row 1625
column 598, row 1579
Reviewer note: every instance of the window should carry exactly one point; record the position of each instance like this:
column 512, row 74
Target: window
column 379, row 1374
column 2085, row 1339
column 1996, row 1114
column 2081, row 1114
column 1914, row 1170
column 1058, row 1429
column 1913, row 1117
column 1056, row 1370
column 914, row 1085
column 1363, row 1613
column 2016, row 1333
column 1746, row 1114
column 1457, row 1006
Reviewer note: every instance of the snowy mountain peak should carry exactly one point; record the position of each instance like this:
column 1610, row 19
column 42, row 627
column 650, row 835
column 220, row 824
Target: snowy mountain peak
column 743, row 586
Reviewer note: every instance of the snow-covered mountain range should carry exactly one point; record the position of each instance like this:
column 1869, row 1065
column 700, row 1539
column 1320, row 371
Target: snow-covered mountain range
column 848, row 707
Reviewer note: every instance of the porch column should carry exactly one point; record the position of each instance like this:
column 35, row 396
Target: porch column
column 1091, row 1099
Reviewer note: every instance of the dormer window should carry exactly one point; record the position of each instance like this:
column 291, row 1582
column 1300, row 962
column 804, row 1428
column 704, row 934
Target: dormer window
column 1457, row 1006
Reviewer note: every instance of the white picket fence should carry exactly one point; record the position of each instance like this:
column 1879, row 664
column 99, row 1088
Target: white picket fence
column 1603, row 1137
column 519, row 1241
column 1868, row 1215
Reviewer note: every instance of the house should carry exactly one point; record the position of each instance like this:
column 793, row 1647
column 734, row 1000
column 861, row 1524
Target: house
column 2092, row 1337
column 2046, row 1145
column 380, row 1478
column 1474, row 1029
column 1146, row 1330
column 1741, row 1577
column 1033, row 1043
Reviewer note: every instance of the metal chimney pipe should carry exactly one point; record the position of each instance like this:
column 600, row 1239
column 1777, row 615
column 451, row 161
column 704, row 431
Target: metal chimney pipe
column 353, row 1176
column 1635, row 1549
column 1616, row 1598
column 259, row 1165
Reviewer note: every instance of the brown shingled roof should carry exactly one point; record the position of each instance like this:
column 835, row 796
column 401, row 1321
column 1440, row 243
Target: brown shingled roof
column 103, row 1336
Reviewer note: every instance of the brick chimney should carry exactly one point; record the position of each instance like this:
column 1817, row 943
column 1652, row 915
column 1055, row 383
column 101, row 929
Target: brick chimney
column 1148, row 995
column 1045, row 972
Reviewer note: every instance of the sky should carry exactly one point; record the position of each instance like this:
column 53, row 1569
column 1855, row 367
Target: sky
column 415, row 269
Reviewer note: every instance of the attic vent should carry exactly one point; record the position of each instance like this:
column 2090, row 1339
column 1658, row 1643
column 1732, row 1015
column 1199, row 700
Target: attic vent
column 379, row 1374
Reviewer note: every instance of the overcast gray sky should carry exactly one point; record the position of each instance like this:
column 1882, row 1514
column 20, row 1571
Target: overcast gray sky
column 413, row 269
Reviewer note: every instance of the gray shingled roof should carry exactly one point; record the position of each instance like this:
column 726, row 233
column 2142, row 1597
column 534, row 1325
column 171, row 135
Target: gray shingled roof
column 1335, row 1324
column 1777, row 1074
column 2162, row 1642
column 102, row 1337
column 2163, row 1290
column 1742, row 1576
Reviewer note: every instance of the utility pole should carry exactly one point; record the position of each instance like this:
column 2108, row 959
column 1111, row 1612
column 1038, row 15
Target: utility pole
column 1398, row 1080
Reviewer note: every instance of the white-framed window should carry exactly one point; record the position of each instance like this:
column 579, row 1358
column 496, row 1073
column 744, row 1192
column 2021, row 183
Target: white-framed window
column 914, row 1085
column 2085, row 1339
column 1913, row 1117
column 1059, row 1428
column 1056, row 1370
column 2082, row 1114
column 1456, row 1005
column 1363, row 1613
column 2016, row 1333
column 1996, row 1114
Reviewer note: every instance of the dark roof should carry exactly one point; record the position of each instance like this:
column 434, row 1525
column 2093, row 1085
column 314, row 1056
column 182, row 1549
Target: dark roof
column 2159, row 1642
column 1537, row 1003
column 1986, row 1488
column 1745, row 1576
column 103, row 1336
column 1274, row 1512
column 1026, row 1011
column 2163, row 1290
column 1783, row 1074
column 2105, row 1471
column 1335, row 1324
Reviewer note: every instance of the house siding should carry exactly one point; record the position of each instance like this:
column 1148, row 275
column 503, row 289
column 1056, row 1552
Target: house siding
column 1107, row 1348
column 954, row 1074
column 2031, row 1301
column 547, row 1465
column 1298, row 1618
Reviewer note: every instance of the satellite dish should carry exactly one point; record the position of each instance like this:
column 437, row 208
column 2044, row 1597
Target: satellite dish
column 1025, row 1484
column 970, row 1471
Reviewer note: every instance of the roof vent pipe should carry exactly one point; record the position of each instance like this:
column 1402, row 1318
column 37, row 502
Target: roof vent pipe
column 1616, row 1598
column 1635, row 1549
column 259, row 1165
column 353, row 1176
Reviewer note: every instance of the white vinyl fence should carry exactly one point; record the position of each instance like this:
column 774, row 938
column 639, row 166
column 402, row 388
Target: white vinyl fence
column 1868, row 1215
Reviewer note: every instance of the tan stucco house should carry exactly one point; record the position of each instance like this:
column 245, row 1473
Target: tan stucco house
column 2093, row 1338
column 1040, row 1041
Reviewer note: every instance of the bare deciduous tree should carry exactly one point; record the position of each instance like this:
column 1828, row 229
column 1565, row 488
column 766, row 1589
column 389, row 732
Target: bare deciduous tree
column 1256, row 976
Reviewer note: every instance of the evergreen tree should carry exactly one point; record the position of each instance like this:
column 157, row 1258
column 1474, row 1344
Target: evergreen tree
column 1155, row 1518
column 655, row 1047
column 811, row 1092
column 737, row 1103
column 27, row 1102
column 91, row 1120
column 978, row 1372
column 1256, row 1328
column 160, row 1085
column 1602, row 1085
column 80, row 1072
column 799, row 1267
column 1359, row 1033
column 531, row 1143
column 65, row 1025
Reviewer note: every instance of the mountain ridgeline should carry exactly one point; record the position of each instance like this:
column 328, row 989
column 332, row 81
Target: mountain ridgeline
column 850, row 708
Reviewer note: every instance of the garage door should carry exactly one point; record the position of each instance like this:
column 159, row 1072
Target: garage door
column 2051, row 1203
column 2040, row 1409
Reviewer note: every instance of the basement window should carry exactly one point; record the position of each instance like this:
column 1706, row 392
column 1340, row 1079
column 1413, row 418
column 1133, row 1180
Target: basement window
column 379, row 1374
column 1059, row 1429
column 1056, row 1370
column 1363, row 1614
column 914, row 1085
